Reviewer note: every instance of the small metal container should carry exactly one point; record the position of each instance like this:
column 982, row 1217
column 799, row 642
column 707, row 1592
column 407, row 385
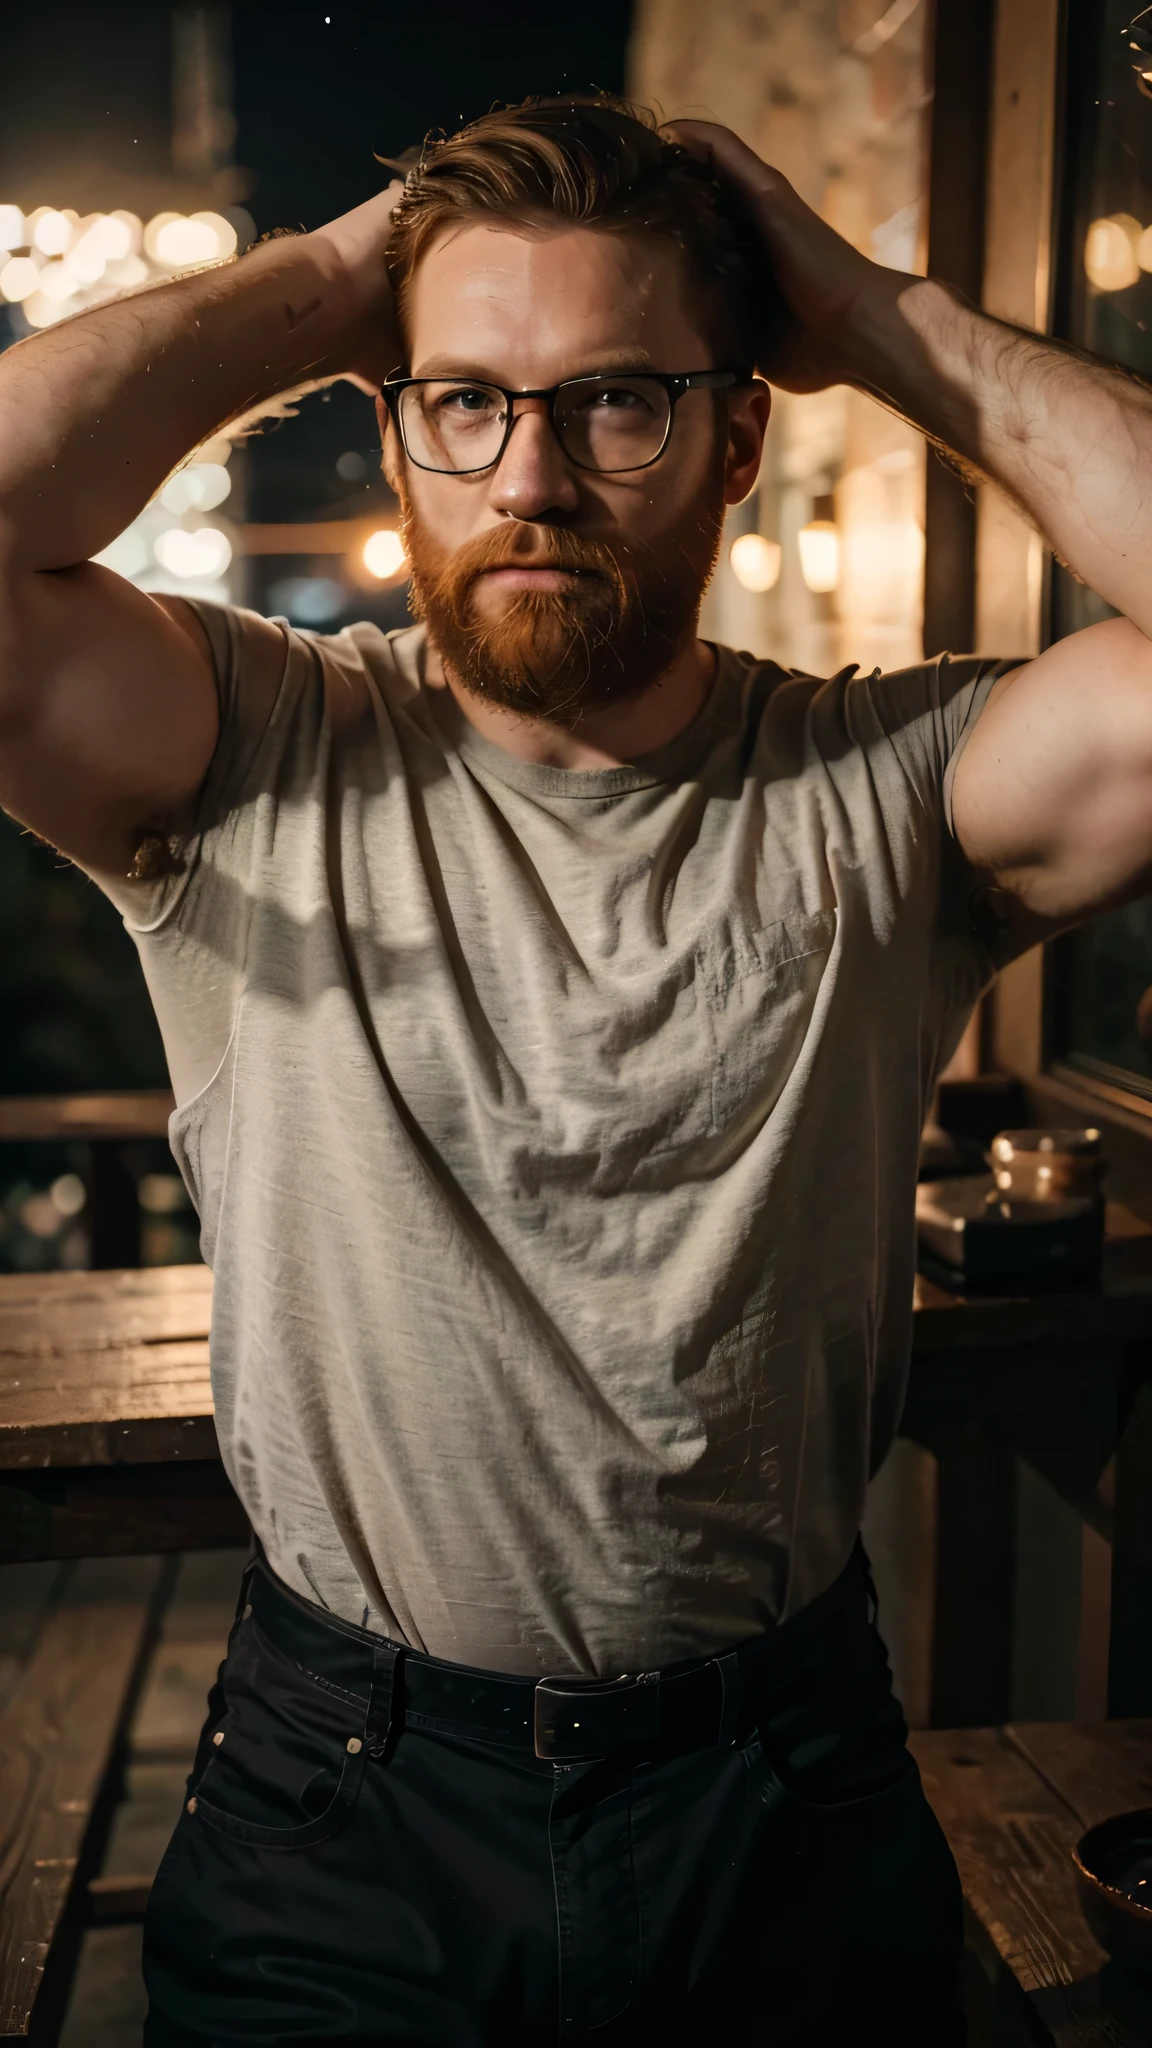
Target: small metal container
column 1047, row 1166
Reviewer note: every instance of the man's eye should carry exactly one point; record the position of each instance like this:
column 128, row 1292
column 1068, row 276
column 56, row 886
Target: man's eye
column 465, row 401
column 617, row 398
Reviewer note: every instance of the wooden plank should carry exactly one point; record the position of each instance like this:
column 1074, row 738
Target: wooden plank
column 151, row 1282
column 1011, row 1834
column 56, row 1739
column 1096, row 1768
column 105, row 1368
column 32, row 1119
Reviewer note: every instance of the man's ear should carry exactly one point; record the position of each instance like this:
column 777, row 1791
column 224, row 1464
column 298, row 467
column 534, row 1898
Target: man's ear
column 389, row 444
column 749, row 406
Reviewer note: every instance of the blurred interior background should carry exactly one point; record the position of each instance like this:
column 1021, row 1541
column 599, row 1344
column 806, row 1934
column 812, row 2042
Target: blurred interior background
column 1004, row 147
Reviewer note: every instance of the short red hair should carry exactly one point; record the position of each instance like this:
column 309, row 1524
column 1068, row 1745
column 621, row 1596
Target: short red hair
column 598, row 161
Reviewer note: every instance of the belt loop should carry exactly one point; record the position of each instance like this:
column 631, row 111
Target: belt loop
column 384, row 1710
column 732, row 1697
column 246, row 1575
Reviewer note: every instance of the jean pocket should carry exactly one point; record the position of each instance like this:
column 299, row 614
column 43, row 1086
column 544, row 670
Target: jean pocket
column 286, row 1760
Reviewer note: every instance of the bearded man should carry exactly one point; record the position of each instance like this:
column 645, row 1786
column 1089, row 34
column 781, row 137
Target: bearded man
column 552, row 1002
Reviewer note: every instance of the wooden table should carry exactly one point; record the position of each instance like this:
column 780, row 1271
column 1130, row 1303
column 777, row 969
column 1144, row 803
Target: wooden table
column 107, row 1443
column 1012, row 1801
column 1060, row 1383
column 107, row 1440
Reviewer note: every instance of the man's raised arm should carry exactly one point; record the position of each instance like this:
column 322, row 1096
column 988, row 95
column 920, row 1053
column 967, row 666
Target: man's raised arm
column 1053, row 794
column 107, row 705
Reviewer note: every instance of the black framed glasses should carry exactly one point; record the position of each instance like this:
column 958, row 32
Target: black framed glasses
column 609, row 423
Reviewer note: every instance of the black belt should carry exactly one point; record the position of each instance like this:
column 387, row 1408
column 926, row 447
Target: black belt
column 698, row 1704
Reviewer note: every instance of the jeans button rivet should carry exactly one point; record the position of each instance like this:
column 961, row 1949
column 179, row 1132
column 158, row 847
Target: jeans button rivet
column 354, row 1745
column 191, row 1806
column 218, row 1737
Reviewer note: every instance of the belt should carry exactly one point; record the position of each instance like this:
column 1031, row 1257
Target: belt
column 697, row 1704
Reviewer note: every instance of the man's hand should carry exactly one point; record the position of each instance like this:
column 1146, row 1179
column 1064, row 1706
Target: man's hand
column 369, row 346
column 108, row 714
column 1053, row 794
column 819, row 276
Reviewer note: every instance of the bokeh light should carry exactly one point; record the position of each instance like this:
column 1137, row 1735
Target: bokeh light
column 199, row 487
column 819, row 544
column 178, row 241
column 52, row 232
column 19, row 278
column 383, row 555
column 206, row 552
column 1110, row 259
column 756, row 561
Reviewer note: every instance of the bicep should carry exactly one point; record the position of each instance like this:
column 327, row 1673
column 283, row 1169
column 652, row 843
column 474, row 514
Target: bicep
column 1052, row 798
column 108, row 711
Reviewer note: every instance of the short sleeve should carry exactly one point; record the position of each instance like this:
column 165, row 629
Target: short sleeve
column 187, row 903
column 923, row 718
column 163, row 868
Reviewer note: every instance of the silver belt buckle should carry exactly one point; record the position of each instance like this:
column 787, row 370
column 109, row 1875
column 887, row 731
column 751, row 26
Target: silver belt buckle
column 566, row 1716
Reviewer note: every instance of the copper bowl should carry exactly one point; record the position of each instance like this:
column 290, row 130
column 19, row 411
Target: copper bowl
column 1113, row 1875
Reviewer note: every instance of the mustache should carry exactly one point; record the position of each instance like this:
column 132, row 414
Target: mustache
column 535, row 547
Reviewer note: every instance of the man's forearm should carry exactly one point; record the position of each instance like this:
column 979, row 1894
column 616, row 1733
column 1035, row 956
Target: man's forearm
column 1069, row 438
column 96, row 412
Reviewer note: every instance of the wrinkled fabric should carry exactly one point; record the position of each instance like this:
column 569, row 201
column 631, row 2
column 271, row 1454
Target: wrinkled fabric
column 554, row 1138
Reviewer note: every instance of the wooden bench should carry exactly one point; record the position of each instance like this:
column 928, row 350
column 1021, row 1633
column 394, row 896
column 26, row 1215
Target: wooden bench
column 60, row 1735
column 1012, row 1801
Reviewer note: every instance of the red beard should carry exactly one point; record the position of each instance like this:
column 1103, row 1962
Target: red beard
column 554, row 653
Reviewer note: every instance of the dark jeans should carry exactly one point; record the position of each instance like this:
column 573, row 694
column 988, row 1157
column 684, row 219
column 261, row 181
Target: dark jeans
column 792, row 1885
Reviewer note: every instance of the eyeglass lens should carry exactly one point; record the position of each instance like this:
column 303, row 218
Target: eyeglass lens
column 603, row 423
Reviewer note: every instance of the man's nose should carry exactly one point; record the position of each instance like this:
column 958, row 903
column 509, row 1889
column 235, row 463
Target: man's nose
column 532, row 477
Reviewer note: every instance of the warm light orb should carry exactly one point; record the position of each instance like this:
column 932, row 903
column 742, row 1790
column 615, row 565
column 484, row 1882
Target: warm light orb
column 206, row 552
column 1110, row 259
column 819, row 544
column 200, row 487
column 56, row 282
column 383, row 554
column 180, row 243
column 19, row 279
column 224, row 234
column 41, row 311
column 112, row 234
column 86, row 261
column 127, row 271
column 12, row 234
column 756, row 562
column 1144, row 250
column 52, row 233
column 155, row 227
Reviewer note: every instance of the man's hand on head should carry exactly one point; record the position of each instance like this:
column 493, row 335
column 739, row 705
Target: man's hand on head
column 818, row 275
column 358, row 243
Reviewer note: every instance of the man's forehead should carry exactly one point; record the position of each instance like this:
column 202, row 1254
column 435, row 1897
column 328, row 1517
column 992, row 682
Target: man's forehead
column 542, row 295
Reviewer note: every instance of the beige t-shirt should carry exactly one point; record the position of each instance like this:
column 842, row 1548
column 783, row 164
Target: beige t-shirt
column 554, row 1137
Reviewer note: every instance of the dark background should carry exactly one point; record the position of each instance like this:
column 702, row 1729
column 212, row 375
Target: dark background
column 86, row 115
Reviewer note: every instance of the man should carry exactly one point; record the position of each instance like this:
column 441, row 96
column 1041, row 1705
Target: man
column 553, row 1002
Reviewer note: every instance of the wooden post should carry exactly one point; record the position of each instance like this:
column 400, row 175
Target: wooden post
column 961, row 68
